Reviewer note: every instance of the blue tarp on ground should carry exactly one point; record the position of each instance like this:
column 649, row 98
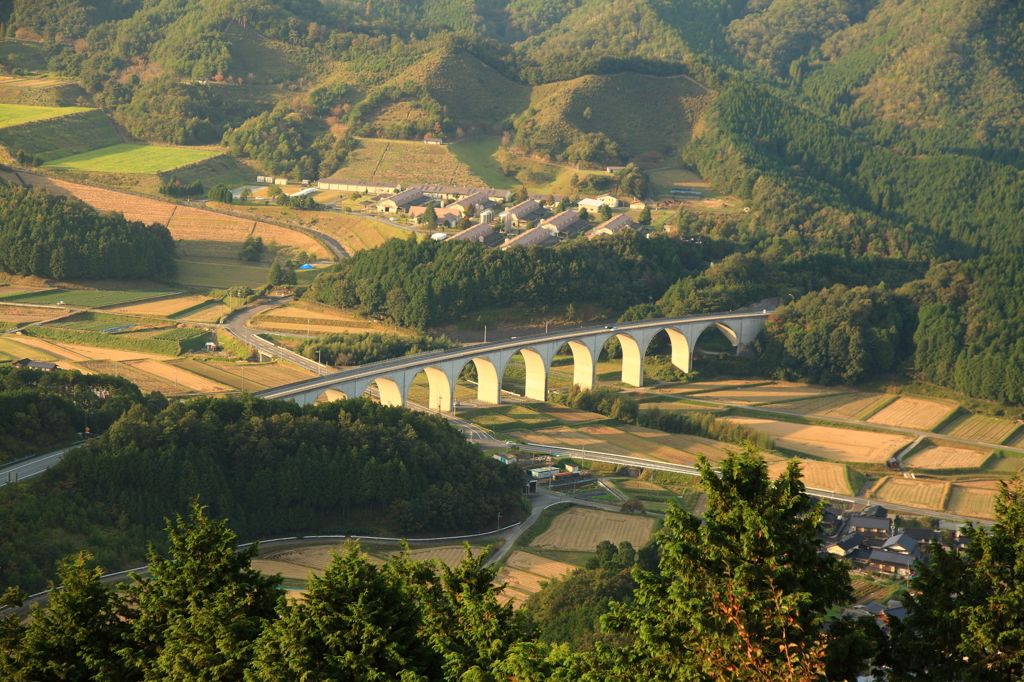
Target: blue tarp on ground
column 307, row 266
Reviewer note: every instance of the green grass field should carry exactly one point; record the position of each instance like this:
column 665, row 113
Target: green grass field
column 131, row 158
column 55, row 138
column 478, row 154
column 86, row 298
column 16, row 114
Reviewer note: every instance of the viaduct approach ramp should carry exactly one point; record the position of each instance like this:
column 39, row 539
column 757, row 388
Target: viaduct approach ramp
column 393, row 378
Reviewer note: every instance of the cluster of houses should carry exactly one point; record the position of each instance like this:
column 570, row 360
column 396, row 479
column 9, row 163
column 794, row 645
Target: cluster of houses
column 533, row 222
column 872, row 542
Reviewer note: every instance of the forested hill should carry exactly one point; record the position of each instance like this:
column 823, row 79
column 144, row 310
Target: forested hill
column 350, row 466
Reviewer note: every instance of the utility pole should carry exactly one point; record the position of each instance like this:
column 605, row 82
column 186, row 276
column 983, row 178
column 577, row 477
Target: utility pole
column 243, row 378
column 318, row 365
column 176, row 381
column 485, row 333
column 499, row 520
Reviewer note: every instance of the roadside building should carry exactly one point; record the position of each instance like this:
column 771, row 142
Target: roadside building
column 337, row 185
column 609, row 200
column 614, row 169
column 541, row 473
column 902, row 543
column 448, row 213
column 592, row 205
column 546, row 199
column 431, row 139
column 25, row 363
column 637, row 205
column 454, row 192
column 612, row 226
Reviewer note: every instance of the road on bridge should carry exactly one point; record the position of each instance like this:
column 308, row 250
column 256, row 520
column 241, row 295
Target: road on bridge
column 34, row 466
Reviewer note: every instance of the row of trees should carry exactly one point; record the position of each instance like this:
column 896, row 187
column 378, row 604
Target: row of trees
column 427, row 283
column 59, row 237
column 741, row 594
column 343, row 350
column 347, row 466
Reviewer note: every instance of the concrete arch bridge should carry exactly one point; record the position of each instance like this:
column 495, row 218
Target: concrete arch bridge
column 393, row 378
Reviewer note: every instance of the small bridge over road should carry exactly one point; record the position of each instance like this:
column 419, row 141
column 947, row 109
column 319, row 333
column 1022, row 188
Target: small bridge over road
column 393, row 378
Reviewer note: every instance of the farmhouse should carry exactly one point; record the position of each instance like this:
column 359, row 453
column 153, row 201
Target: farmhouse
column 359, row 186
column 609, row 200
column 871, row 526
column 565, row 224
column 637, row 205
column 522, row 213
column 612, row 226
column 401, row 201
column 846, row 546
column 479, row 201
column 891, row 562
column 450, row 214
column 25, row 363
column 481, row 233
column 538, row 236
column 431, row 139
column 902, row 543
column 546, row 199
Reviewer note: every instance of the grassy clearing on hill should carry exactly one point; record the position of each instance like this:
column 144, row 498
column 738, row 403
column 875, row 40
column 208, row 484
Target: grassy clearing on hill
column 17, row 114
column 75, row 131
column 478, row 155
column 406, row 162
column 132, row 158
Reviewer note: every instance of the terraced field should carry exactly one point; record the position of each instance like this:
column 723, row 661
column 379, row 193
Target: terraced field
column 912, row 492
column 974, row 498
column 945, row 457
column 844, row 406
column 86, row 298
column 819, row 475
column 581, row 529
column 912, row 413
column 406, row 163
column 132, row 158
column 841, row 445
column 17, row 114
column 982, row 428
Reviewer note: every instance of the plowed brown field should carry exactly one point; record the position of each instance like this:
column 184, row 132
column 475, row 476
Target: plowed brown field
column 180, row 378
column 818, row 475
column 911, row 413
column 912, row 492
column 842, row 445
column 942, row 457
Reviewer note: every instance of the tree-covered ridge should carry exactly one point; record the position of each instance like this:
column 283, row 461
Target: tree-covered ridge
column 426, row 283
column 45, row 409
column 741, row 595
column 272, row 467
column 47, row 235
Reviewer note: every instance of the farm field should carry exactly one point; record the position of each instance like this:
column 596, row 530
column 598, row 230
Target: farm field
column 763, row 394
column 164, row 307
column 944, row 457
column 179, row 379
column 973, row 498
column 132, row 158
column 146, row 381
column 819, row 475
column 406, row 162
column 16, row 114
column 211, row 312
column 89, row 352
column 581, row 529
column 220, row 274
column 284, row 568
column 58, row 352
column 86, row 298
column 251, row 376
column 844, row 406
column 524, row 572
column 13, row 350
column 829, row 442
column 17, row 314
column 911, row 413
column 984, row 429
column 911, row 492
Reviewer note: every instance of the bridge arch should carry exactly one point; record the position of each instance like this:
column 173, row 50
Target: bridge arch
column 727, row 331
column 330, row 395
column 632, row 359
column 682, row 353
column 388, row 390
column 584, row 367
column 536, row 372
column 440, row 392
column 488, row 383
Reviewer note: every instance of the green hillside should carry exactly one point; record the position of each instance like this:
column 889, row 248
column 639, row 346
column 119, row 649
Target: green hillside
column 58, row 137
